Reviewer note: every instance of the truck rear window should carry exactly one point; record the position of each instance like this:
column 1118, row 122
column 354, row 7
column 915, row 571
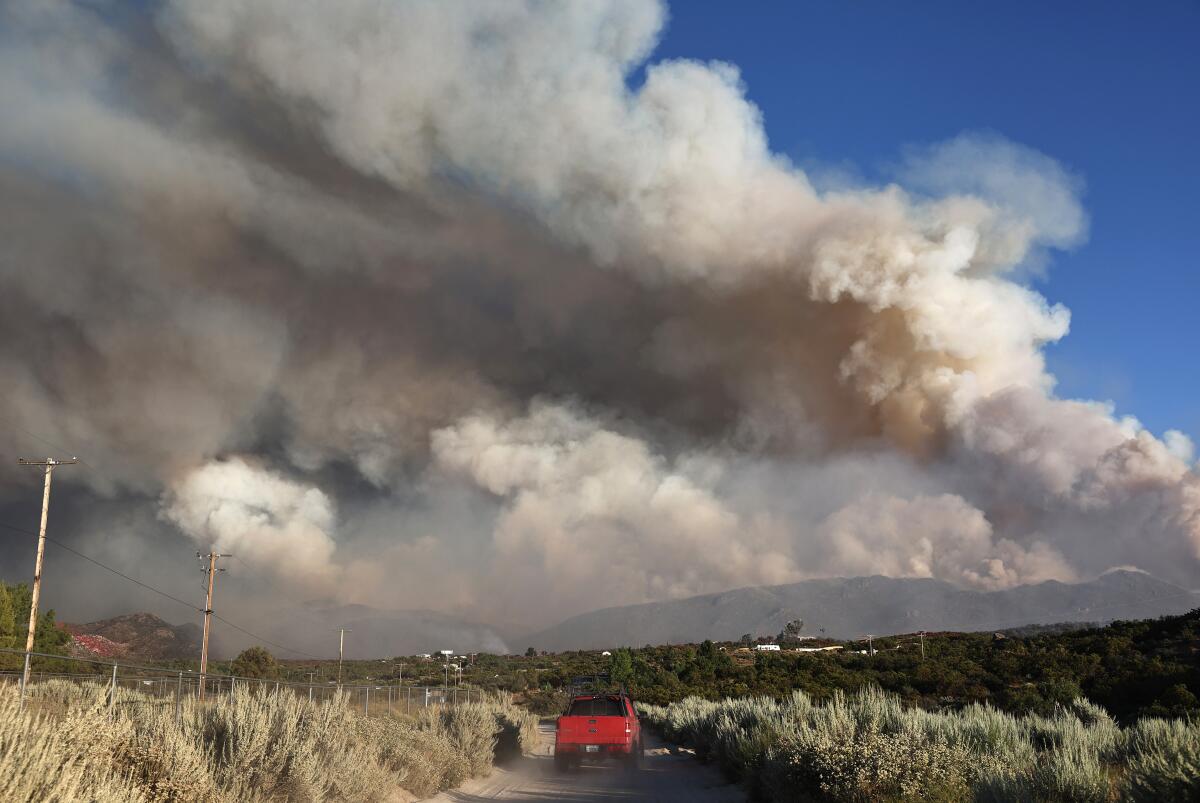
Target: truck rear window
column 599, row 707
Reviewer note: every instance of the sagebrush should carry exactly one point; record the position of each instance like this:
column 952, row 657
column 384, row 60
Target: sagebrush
column 67, row 745
column 869, row 747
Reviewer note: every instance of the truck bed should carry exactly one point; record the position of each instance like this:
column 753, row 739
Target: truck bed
column 597, row 727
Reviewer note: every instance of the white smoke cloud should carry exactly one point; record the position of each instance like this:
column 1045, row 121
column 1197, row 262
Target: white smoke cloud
column 256, row 515
column 372, row 236
column 1034, row 196
column 580, row 499
column 942, row 537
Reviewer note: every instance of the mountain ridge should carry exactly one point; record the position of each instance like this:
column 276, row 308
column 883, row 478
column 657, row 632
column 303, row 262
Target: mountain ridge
column 857, row 606
column 833, row 607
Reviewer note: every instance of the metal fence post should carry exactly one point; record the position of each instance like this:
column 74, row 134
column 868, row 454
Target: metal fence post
column 366, row 700
column 112, row 694
column 408, row 701
column 178, row 695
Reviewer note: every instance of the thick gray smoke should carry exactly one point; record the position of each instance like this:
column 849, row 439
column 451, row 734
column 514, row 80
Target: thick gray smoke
column 422, row 304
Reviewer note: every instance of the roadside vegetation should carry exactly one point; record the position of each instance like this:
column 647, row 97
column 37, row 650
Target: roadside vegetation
column 869, row 746
column 1133, row 669
column 254, row 746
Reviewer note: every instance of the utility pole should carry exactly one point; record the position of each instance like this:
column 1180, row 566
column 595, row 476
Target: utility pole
column 208, row 609
column 922, row 634
column 342, row 631
column 870, row 645
column 48, row 464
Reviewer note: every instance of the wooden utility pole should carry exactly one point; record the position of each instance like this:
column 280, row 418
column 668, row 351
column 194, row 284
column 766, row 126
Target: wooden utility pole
column 342, row 631
column 48, row 464
column 922, row 645
column 211, row 570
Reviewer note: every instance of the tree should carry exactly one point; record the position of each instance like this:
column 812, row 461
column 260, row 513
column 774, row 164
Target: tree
column 791, row 630
column 620, row 666
column 530, row 652
column 747, row 639
column 48, row 636
column 255, row 662
column 8, row 619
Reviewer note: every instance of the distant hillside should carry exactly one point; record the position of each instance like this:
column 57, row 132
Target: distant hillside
column 377, row 633
column 135, row 635
column 849, row 608
column 308, row 631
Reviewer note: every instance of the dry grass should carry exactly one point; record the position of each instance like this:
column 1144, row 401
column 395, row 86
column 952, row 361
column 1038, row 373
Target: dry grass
column 869, row 747
column 253, row 746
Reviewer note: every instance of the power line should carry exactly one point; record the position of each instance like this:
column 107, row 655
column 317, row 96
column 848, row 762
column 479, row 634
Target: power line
column 162, row 593
column 40, row 439
column 255, row 576
column 104, row 566
column 266, row 641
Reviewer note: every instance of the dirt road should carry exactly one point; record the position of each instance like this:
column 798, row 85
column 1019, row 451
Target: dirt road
column 667, row 776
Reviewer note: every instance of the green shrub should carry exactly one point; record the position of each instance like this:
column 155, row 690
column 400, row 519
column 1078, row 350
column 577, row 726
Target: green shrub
column 868, row 746
column 1163, row 760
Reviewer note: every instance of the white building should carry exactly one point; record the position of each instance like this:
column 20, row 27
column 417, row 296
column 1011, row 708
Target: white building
column 767, row 647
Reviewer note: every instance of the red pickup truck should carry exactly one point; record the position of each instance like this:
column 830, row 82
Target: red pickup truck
column 596, row 727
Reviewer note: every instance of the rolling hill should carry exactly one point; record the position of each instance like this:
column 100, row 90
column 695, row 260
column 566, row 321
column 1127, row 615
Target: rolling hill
column 852, row 607
column 133, row 636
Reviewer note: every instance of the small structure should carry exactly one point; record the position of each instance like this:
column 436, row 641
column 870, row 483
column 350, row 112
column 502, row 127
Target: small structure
column 766, row 647
column 606, row 653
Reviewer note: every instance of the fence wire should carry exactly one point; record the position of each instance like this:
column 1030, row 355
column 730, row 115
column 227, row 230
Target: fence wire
column 121, row 679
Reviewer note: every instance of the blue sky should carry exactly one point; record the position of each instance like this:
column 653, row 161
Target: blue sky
column 1108, row 89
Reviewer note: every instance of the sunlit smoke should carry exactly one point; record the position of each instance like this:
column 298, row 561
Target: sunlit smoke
column 371, row 293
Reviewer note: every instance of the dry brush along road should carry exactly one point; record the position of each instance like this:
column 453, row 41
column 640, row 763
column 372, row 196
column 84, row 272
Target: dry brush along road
column 668, row 775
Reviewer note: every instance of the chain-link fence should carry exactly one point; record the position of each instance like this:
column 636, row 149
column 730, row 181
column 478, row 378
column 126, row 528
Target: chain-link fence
column 120, row 679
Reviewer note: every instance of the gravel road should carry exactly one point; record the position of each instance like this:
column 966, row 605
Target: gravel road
column 667, row 775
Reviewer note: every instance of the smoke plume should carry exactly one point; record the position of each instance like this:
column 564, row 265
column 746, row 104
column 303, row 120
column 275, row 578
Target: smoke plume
column 436, row 305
